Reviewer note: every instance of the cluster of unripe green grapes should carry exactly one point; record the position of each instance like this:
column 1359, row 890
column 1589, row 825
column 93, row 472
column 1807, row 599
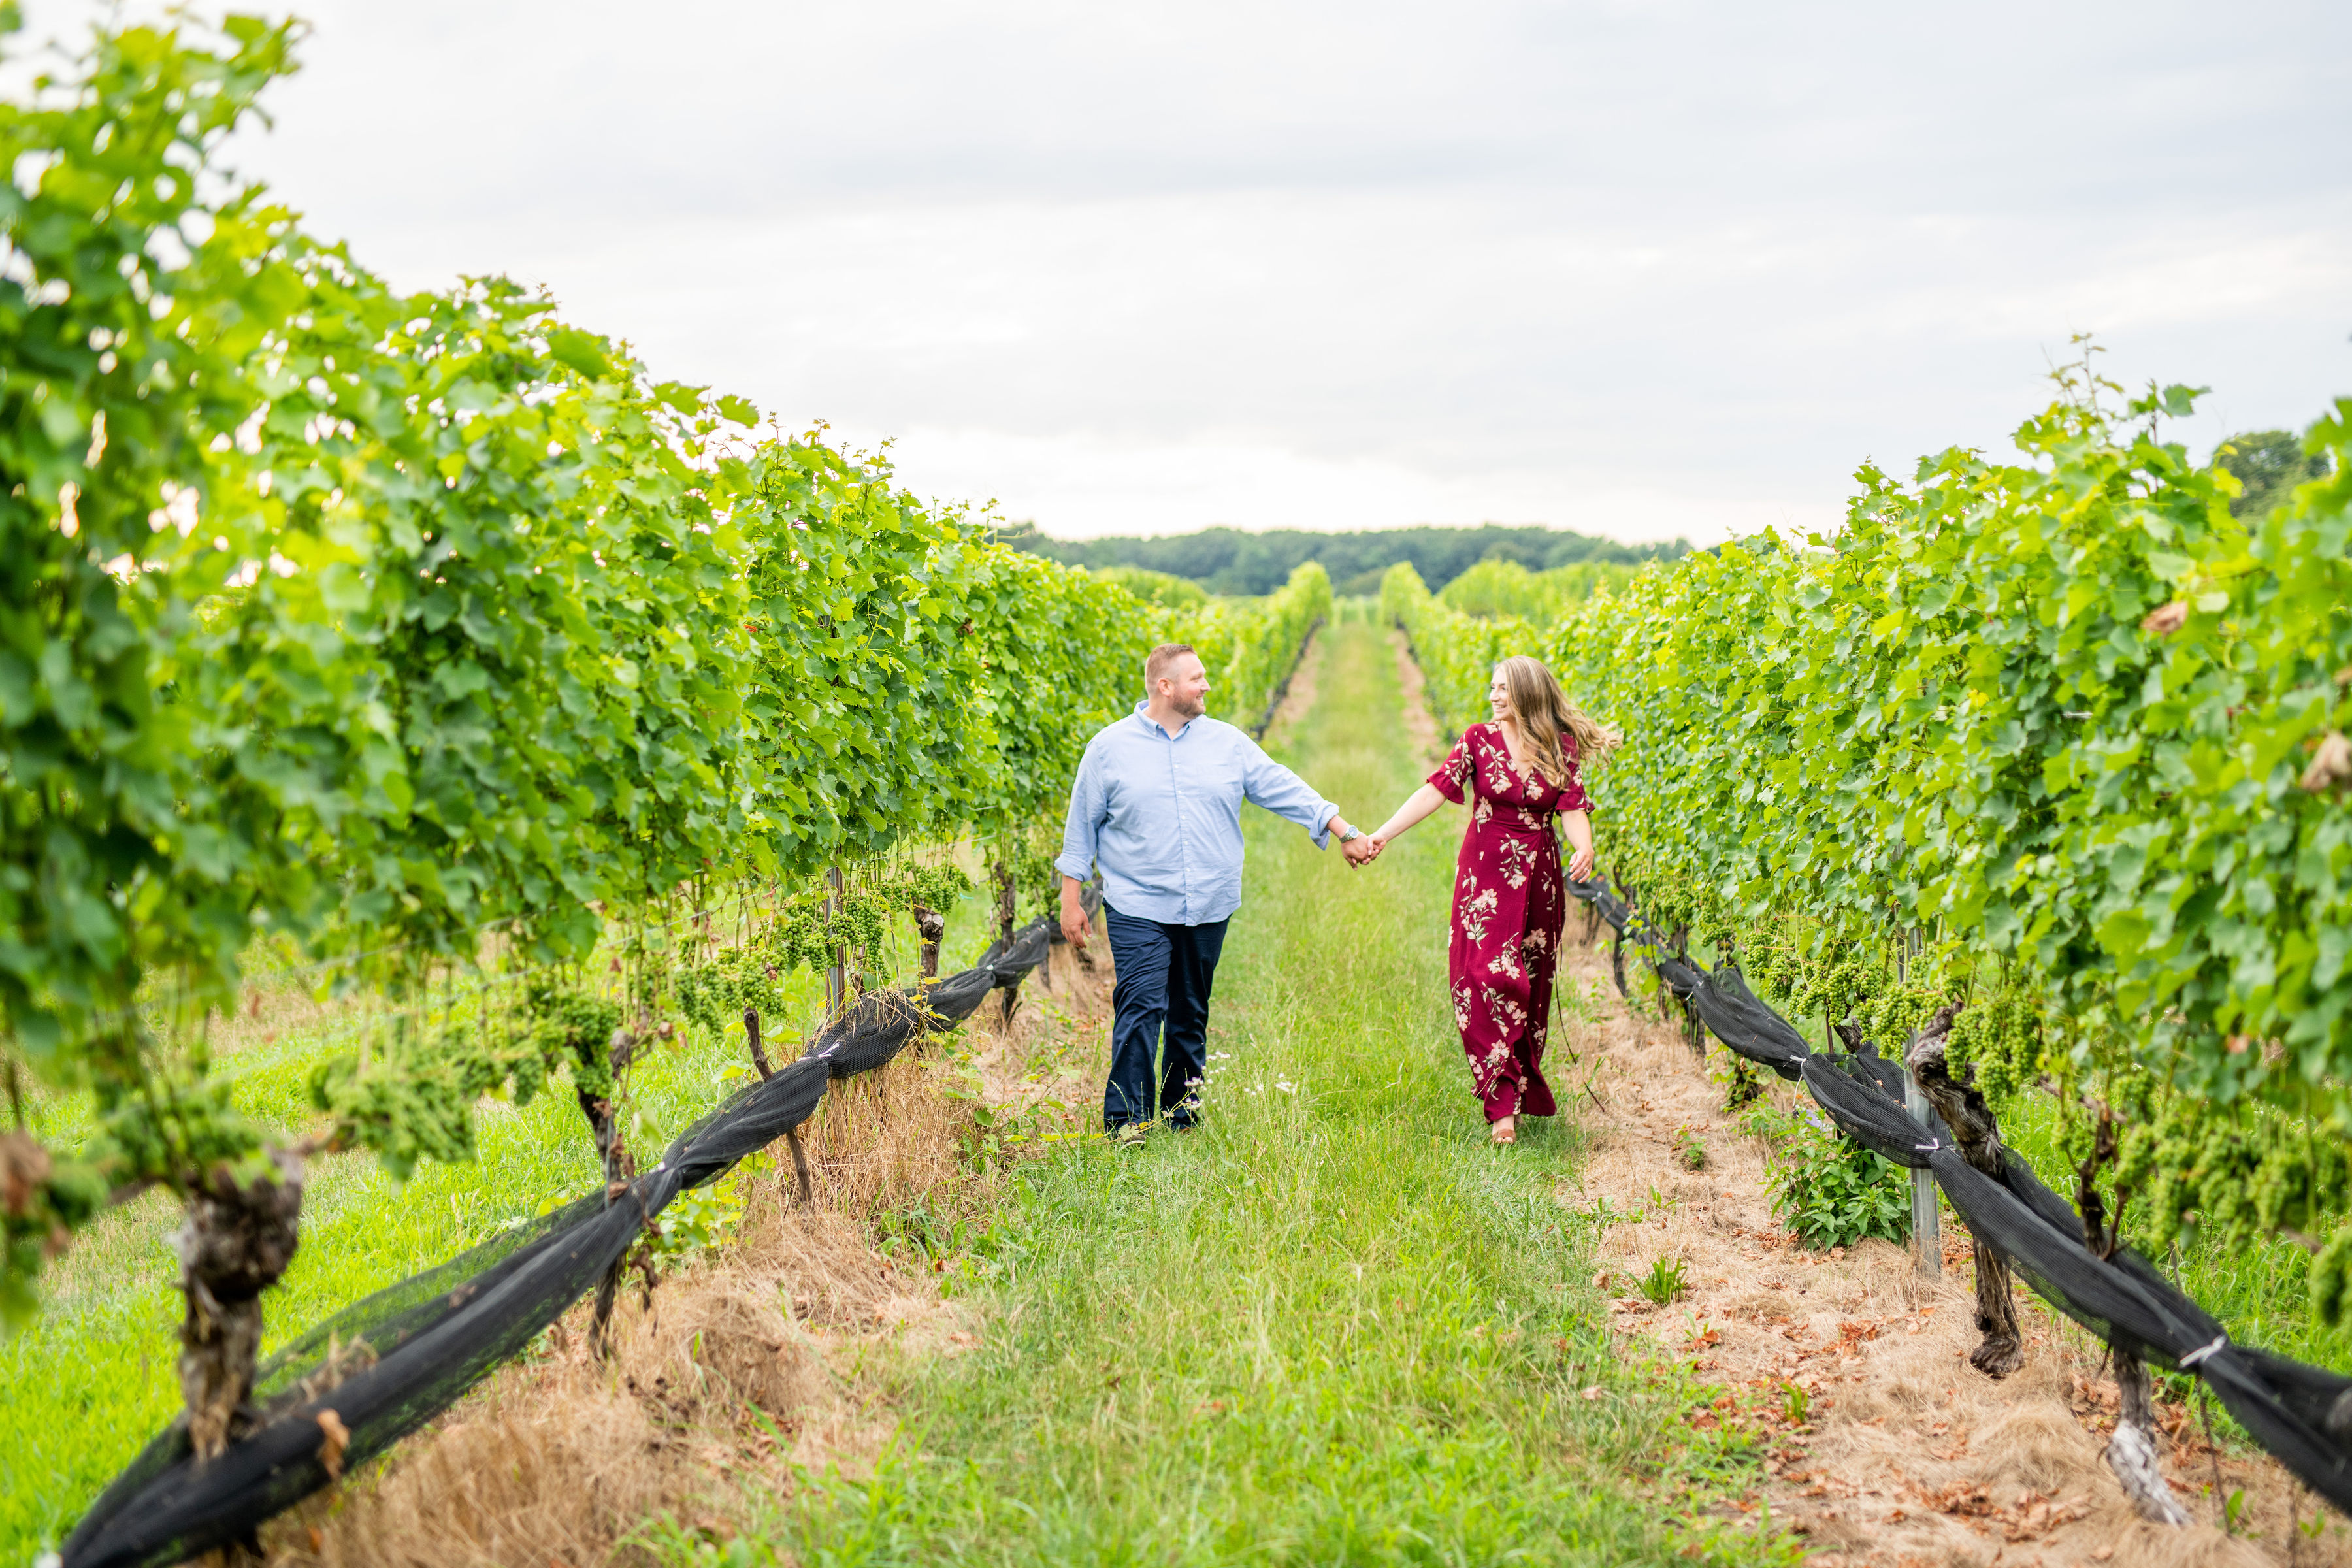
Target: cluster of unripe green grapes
column 2234, row 1174
column 1998, row 1039
column 413, row 1099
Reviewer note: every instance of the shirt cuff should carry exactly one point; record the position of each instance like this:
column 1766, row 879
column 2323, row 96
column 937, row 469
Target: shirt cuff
column 1075, row 869
column 1321, row 831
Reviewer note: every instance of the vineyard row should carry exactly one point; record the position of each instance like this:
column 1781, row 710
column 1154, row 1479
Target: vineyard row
column 412, row 641
column 2047, row 758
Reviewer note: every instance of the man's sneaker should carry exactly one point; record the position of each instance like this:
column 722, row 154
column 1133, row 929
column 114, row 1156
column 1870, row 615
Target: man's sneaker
column 1130, row 1136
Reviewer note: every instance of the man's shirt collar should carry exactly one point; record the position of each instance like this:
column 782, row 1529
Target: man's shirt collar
column 1143, row 713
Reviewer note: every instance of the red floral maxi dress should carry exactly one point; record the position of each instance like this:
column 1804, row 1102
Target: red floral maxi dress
column 1510, row 903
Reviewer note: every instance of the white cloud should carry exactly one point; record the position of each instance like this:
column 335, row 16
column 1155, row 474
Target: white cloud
column 1637, row 269
column 1087, row 487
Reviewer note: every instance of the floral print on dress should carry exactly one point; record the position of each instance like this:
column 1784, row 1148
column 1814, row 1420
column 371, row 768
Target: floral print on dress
column 1510, row 902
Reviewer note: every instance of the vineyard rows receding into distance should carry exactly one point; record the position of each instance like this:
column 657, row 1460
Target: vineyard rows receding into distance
column 410, row 707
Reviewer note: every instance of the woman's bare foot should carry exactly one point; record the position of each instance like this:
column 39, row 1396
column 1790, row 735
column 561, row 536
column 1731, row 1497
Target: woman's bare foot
column 1505, row 1130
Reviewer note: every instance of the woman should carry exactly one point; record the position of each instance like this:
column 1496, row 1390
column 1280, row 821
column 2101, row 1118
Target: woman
column 1509, row 902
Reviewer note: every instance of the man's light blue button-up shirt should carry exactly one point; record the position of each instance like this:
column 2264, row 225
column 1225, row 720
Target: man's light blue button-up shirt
column 1161, row 814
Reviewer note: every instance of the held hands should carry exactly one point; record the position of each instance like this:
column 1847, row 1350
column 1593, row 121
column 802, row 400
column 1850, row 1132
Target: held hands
column 1362, row 849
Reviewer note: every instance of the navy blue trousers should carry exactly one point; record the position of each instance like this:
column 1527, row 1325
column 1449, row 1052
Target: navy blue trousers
column 1164, row 975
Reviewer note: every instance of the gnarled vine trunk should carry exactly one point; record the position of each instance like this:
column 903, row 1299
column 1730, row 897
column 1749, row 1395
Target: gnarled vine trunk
column 2131, row 1454
column 1976, row 1132
column 932, row 926
column 620, row 1170
column 233, row 1243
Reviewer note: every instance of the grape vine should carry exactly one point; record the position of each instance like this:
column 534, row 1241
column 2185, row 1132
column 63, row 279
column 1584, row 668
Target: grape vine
column 2060, row 733
column 429, row 637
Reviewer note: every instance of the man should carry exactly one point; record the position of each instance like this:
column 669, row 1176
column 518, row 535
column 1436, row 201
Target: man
column 1157, row 806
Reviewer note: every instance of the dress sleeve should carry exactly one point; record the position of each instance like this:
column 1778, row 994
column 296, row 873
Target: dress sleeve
column 1572, row 790
column 1454, row 775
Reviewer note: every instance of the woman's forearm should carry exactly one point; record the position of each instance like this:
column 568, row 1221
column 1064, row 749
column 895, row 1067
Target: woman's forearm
column 1580, row 838
column 1417, row 805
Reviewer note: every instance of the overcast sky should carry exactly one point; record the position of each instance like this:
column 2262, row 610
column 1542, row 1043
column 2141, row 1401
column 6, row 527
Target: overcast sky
column 1637, row 269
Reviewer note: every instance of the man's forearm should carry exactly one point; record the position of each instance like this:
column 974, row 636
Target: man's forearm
column 1075, row 922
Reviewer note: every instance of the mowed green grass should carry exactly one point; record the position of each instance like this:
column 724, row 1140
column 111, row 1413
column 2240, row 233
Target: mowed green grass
column 1331, row 1325
column 93, row 1377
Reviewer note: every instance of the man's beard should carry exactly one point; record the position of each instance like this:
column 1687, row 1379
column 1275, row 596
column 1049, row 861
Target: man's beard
column 1189, row 706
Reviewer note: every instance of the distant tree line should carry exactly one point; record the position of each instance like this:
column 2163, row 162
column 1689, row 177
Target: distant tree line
column 2269, row 463
column 1228, row 561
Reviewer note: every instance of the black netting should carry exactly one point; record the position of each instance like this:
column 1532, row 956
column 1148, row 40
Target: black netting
column 873, row 1028
column 1012, row 961
column 2302, row 1414
column 952, row 1000
column 1850, row 1089
column 387, row 1364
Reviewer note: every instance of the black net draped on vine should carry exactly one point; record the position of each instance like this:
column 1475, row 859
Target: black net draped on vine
column 2302, row 1414
column 384, row 1366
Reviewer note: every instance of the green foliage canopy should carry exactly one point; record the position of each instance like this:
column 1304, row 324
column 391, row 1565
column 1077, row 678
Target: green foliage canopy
column 1497, row 588
column 364, row 623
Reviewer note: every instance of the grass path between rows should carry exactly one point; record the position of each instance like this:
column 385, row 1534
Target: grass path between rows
column 1330, row 1326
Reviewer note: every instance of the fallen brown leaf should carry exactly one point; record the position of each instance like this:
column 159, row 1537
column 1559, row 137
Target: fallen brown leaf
column 334, row 1437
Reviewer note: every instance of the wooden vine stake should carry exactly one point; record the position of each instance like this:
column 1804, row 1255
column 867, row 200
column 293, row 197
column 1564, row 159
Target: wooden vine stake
column 836, row 978
column 1004, row 909
column 1926, row 1240
column 791, row 1135
column 620, row 1170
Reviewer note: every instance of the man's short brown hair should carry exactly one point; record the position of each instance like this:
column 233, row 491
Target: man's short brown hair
column 1156, row 662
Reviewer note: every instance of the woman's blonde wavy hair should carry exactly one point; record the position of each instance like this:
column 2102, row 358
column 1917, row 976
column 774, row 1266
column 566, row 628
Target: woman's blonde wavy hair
column 1544, row 714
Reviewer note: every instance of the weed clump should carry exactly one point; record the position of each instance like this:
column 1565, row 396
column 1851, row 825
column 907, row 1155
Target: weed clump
column 1667, row 1281
column 1827, row 1188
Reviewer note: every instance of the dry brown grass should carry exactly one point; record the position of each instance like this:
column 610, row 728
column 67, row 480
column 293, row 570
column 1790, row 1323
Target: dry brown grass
column 879, row 1141
column 1056, row 1049
column 734, row 1370
column 757, row 1358
column 1910, row 1456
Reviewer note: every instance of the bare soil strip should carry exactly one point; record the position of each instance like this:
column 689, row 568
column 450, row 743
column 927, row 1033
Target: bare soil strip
column 1420, row 724
column 1298, row 697
column 1906, row 1456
